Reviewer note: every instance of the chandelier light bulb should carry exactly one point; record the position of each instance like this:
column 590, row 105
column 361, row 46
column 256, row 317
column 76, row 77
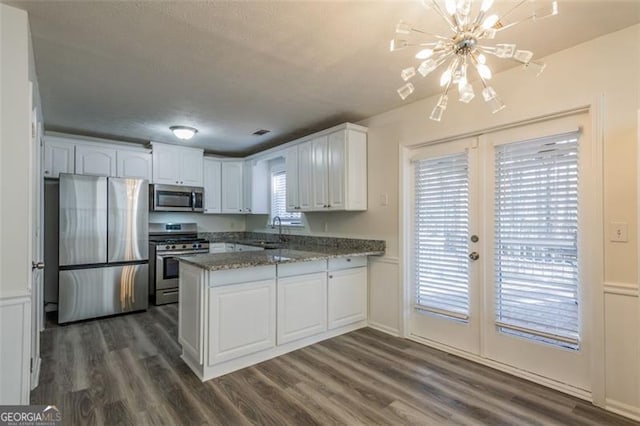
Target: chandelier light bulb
column 486, row 5
column 424, row 54
column 183, row 132
column 469, row 45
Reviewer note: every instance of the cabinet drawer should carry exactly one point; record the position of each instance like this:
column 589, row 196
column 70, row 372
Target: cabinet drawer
column 242, row 275
column 301, row 268
column 347, row 262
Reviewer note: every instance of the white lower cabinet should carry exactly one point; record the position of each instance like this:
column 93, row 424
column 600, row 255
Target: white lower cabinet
column 242, row 319
column 302, row 306
column 347, row 292
column 234, row 318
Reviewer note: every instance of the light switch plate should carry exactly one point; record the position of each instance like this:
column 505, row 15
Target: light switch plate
column 618, row 232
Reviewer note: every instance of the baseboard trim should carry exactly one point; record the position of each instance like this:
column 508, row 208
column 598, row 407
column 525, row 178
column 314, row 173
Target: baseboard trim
column 623, row 409
column 384, row 329
column 35, row 374
column 559, row 386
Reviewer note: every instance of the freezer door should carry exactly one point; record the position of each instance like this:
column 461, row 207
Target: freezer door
column 128, row 227
column 97, row 292
column 82, row 220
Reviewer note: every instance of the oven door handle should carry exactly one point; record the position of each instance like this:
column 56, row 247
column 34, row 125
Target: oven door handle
column 181, row 253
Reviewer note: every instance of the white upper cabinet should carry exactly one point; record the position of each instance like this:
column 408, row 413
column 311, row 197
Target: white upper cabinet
column 176, row 165
column 291, row 166
column 256, row 187
column 340, row 171
column 95, row 160
column 134, row 164
column 212, row 185
column 59, row 157
column 329, row 171
column 232, row 186
column 320, row 173
column 305, row 177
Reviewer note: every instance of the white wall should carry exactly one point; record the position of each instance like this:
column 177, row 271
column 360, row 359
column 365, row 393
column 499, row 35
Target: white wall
column 607, row 66
column 206, row 222
column 15, row 271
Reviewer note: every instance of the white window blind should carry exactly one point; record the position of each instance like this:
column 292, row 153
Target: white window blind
column 441, row 235
column 279, row 200
column 536, row 239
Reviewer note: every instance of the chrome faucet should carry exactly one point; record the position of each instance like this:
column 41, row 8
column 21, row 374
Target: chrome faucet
column 273, row 225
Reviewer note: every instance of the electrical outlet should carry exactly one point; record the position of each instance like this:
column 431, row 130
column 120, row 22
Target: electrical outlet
column 384, row 199
column 618, row 232
column 326, row 227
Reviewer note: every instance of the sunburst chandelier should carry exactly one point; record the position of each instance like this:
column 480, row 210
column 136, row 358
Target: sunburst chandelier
column 464, row 48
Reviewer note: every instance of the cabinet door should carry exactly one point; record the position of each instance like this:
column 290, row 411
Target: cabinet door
column 247, row 190
column 166, row 164
column 320, row 168
column 347, row 296
column 59, row 157
column 191, row 164
column 257, row 184
column 305, row 177
column 336, row 156
column 134, row 164
column 95, row 160
column 232, row 186
column 242, row 319
column 212, row 185
column 190, row 315
column 291, row 166
column 302, row 306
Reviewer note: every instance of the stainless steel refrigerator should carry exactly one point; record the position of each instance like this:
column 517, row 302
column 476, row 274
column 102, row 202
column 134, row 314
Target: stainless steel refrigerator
column 103, row 246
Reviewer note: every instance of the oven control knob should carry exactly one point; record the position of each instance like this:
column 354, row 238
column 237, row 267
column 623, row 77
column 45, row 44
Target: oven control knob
column 167, row 247
column 184, row 246
column 194, row 246
column 173, row 247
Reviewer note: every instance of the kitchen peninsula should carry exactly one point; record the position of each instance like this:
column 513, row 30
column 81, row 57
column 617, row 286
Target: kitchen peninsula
column 239, row 309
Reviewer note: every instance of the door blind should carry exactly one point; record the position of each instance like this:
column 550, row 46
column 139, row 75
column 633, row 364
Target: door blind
column 279, row 200
column 441, row 235
column 536, row 239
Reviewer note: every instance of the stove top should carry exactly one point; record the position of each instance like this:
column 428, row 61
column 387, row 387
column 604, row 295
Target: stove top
column 180, row 240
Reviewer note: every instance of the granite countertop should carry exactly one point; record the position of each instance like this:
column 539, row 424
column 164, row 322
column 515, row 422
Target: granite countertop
column 236, row 260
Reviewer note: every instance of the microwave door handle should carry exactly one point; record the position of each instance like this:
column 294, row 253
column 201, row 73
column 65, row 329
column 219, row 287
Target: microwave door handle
column 193, row 200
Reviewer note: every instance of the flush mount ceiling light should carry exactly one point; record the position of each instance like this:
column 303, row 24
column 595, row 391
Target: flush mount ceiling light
column 463, row 48
column 183, row 132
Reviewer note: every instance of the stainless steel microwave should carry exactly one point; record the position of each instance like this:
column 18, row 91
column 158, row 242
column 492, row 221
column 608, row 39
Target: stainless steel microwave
column 174, row 198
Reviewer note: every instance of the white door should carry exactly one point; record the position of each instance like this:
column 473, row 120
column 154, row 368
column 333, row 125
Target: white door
column 347, row 289
column 37, row 244
column 302, row 306
column 445, row 280
column 291, row 164
column 232, row 186
column 305, row 177
column 133, row 164
column 538, row 285
column 94, row 160
column 320, row 169
column 336, row 157
column 191, row 167
column 242, row 319
column 212, row 185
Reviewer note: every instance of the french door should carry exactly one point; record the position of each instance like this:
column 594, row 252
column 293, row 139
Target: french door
column 444, row 269
column 496, row 248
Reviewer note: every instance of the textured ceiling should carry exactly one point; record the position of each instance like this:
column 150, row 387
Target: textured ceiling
column 129, row 70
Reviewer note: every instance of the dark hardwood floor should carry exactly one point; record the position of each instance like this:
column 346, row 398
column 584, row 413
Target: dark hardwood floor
column 127, row 370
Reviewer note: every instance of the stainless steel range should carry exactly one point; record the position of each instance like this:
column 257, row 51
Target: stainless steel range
column 166, row 242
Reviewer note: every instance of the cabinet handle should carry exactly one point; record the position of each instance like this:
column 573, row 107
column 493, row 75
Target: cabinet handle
column 348, row 260
column 46, row 172
column 240, row 210
column 330, row 276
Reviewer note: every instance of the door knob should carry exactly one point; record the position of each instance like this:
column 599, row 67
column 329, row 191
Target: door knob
column 474, row 256
column 37, row 265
